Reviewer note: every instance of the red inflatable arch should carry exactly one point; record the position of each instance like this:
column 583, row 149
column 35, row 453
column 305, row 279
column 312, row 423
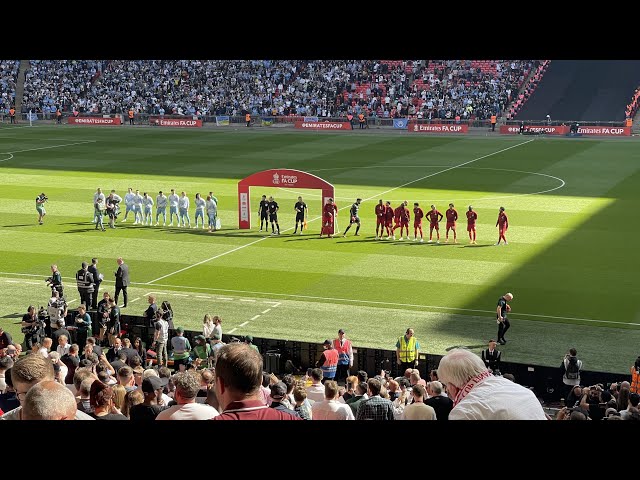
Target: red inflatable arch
column 277, row 177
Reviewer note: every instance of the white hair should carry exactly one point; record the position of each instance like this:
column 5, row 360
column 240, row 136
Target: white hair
column 509, row 294
column 458, row 366
column 49, row 400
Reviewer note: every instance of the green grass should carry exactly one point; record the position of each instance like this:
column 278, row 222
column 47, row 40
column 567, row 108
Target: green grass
column 571, row 261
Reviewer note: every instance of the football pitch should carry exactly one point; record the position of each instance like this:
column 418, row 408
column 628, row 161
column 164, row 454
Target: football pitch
column 571, row 262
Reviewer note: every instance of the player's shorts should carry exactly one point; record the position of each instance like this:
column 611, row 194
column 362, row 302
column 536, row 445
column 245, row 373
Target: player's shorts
column 451, row 225
column 380, row 221
column 173, row 210
column 264, row 216
column 40, row 209
column 471, row 227
column 417, row 224
column 502, row 230
column 388, row 222
column 299, row 217
column 273, row 217
column 161, row 210
column 404, row 223
column 434, row 225
column 327, row 221
column 354, row 219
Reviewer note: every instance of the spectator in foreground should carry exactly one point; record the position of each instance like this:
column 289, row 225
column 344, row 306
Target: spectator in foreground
column 479, row 395
column 330, row 408
column 49, row 400
column 237, row 385
column 436, row 399
column 187, row 387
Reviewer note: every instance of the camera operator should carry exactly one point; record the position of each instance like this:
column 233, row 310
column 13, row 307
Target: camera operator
column 592, row 402
column 32, row 327
column 57, row 310
column 113, row 207
column 40, row 201
column 55, row 280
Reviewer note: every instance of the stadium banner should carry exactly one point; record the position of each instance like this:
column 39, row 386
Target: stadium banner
column 605, row 131
column 267, row 121
column 222, row 120
column 175, row 122
column 323, row 125
column 437, row 128
column 400, row 123
column 311, row 119
column 94, row 121
column 546, row 129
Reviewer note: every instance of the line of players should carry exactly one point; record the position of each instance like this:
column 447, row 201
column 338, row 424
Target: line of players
column 387, row 219
column 142, row 205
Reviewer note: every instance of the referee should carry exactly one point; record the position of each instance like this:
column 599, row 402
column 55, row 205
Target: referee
column 301, row 214
column 263, row 213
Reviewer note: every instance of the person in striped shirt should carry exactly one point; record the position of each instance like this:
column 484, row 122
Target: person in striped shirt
column 161, row 208
column 173, row 207
column 147, row 203
column 183, row 210
column 200, row 206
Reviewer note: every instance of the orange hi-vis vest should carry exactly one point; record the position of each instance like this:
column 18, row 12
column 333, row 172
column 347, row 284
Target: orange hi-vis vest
column 628, row 122
column 635, row 380
column 330, row 364
column 12, row 111
column 247, row 117
column 361, row 117
column 130, row 113
column 494, row 119
column 343, row 351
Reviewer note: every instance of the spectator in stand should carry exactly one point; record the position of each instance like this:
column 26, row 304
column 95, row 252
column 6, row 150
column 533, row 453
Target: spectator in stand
column 479, row 395
column 376, row 407
column 237, row 385
column 187, row 387
column 49, row 400
column 330, row 408
column 418, row 410
column 315, row 391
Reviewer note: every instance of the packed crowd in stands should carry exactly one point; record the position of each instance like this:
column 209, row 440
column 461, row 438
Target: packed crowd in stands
column 58, row 379
column 51, row 83
column 632, row 107
column 8, row 79
column 445, row 89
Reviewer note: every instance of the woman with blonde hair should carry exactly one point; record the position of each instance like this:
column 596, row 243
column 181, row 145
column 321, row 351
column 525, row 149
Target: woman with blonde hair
column 207, row 327
column 134, row 397
column 118, row 398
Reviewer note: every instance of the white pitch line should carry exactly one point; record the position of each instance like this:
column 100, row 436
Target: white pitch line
column 449, row 168
column 276, row 304
column 267, row 310
column 349, row 300
column 246, row 300
column 181, row 295
column 71, row 301
column 243, row 324
column 347, row 206
column 50, row 146
column 204, row 296
column 231, row 331
column 256, row 316
column 135, row 299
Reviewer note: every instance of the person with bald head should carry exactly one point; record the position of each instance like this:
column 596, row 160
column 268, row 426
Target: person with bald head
column 49, row 400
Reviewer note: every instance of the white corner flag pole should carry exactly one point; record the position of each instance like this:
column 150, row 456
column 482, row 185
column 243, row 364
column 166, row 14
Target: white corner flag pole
column 337, row 229
column 30, row 119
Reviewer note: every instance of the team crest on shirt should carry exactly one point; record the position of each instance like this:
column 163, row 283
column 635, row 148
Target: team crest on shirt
column 276, row 179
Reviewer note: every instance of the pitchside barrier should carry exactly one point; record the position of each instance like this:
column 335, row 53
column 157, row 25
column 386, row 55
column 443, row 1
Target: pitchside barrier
column 289, row 356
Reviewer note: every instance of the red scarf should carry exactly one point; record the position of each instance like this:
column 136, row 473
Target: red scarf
column 464, row 391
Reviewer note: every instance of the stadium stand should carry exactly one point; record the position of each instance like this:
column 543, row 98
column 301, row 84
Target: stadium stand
column 8, row 80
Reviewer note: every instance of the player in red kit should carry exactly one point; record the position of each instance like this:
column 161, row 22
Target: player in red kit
column 380, row 218
column 434, row 217
column 452, row 216
column 503, row 226
column 418, row 214
column 388, row 219
column 329, row 212
column 402, row 215
column 471, row 225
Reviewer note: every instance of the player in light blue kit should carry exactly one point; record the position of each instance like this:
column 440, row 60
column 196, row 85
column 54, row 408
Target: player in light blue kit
column 128, row 202
column 147, row 204
column 200, row 205
column 183, row 210
column 212, row 212
column 173, row 207
column 137, row 208
column 161, row 208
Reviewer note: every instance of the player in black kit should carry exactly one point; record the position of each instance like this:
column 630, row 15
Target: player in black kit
column 263, row 212
column 301, row 214
column 353, row 211
column 273, row 216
